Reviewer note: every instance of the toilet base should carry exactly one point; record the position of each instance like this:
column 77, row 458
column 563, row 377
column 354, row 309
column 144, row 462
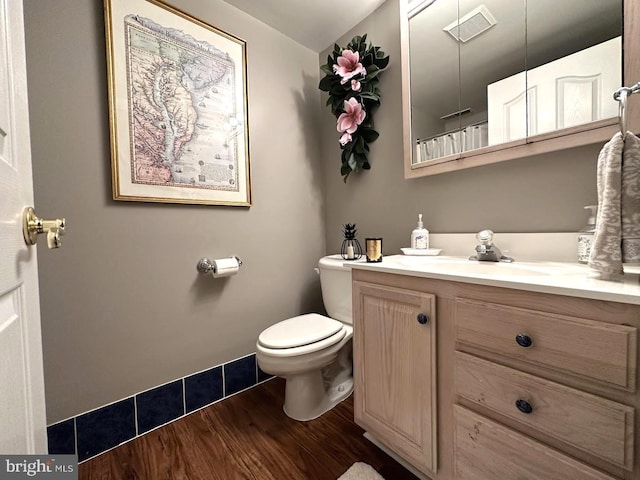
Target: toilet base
column 310, row 394
column 307, row 397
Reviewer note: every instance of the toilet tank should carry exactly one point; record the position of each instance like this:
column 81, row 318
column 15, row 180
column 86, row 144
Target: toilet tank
column 335, row 280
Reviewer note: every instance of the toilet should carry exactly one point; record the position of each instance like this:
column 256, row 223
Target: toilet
column 312, row 352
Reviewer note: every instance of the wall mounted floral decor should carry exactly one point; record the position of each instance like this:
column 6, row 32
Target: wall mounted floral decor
column 351, row 78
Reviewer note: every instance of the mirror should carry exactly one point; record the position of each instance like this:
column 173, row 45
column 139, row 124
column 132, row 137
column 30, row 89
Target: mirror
column 490, row 75
column 574, row 62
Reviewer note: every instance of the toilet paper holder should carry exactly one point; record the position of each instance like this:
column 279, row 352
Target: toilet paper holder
column 207, row 266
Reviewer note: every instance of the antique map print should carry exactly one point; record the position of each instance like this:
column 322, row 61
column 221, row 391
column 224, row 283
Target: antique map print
column 186, row 121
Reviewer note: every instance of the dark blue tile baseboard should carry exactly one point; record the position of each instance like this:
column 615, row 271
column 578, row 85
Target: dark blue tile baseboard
column 106, row 427
column 62, row 438
column 160, row 405
column 203, row 388
column 239, row 375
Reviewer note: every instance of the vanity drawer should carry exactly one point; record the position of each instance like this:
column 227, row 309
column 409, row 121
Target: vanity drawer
column 595, row 425
column 598, row 351
column 485, row 450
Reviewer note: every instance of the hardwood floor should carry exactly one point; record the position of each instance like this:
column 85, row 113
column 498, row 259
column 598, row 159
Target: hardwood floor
column 247, row 436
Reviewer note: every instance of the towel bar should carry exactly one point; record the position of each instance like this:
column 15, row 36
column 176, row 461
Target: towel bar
column 621, row 95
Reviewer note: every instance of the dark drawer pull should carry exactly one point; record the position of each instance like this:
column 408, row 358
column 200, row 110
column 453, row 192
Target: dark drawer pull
column 524, row 406
column 524, row 340
column 422, row 318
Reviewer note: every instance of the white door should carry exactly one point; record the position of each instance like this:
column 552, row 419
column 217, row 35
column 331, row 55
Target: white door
column 22, row 409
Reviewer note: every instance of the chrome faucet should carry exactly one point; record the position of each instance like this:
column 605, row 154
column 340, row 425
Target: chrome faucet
column 486, row 251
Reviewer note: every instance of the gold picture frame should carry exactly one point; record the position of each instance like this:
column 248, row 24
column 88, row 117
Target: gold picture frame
column 178, row 107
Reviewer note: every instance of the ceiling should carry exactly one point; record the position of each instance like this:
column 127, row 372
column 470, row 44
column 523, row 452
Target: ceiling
column 316, row 24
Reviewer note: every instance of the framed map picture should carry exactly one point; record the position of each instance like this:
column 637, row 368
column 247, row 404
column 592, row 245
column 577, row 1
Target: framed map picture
column 177, row 107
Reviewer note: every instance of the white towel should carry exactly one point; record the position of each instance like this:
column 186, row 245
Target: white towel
column 617, row 237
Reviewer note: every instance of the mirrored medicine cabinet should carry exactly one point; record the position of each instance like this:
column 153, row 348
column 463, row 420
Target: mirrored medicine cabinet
column 486, row 81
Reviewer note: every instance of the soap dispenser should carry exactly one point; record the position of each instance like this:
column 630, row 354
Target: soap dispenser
column 420, row 236
column 586, row 234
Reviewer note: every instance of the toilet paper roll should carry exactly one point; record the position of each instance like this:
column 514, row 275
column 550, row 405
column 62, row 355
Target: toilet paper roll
column 225, row 267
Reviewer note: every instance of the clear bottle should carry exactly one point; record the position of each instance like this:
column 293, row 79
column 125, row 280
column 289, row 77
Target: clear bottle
column 420, row 235
column 586, row 234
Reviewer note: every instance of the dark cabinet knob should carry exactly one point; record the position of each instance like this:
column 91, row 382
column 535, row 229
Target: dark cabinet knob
column 524, row 340
column 422, row 318
column 524, row 406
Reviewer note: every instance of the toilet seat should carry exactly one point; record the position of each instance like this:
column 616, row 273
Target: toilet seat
column 300, row 335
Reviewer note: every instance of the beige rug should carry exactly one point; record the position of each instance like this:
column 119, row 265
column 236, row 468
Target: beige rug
column 360, row 471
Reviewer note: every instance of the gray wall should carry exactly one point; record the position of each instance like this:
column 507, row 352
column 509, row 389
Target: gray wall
column 536, row 194
column 123, row 308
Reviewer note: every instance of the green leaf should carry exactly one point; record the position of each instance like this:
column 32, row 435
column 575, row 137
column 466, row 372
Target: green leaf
column 336, row 49
column 381, row 63
column 370, row 106
column 327, row 69
column 326, row 84
column 345, row 170
column 338, row 91
column 367, row 87
column 368, row 134
column 354, row 162
column 372, row 72
column 370, row 96
column 368, row 122
column 368, row 60
column 359, row 158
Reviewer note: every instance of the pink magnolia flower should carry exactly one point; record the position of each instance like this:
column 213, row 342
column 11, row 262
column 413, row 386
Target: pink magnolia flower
column 349, row 66
column 345, row 138
column 353, row 116
column 355, row 85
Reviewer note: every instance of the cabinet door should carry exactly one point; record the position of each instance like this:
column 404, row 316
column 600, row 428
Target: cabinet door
column 394, row 369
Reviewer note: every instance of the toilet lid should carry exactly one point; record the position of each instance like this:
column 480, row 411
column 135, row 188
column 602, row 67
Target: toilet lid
column 300, row 330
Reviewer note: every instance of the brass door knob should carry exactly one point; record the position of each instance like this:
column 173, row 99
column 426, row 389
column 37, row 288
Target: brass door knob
column 32, row 226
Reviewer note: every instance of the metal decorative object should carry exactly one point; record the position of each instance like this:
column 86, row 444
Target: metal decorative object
column 351, row 248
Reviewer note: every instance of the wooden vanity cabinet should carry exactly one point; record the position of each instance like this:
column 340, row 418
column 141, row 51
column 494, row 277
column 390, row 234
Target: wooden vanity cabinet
column 476, row 400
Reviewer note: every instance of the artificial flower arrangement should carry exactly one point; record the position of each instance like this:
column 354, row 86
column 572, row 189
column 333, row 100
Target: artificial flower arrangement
column 351, row 78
